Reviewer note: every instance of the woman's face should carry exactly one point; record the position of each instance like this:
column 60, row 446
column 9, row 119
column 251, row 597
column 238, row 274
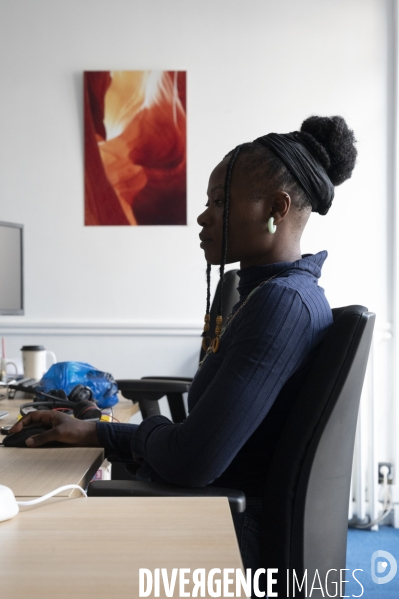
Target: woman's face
column 247, row 240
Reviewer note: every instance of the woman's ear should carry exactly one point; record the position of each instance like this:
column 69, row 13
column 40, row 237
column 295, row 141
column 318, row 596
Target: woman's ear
column 280, row 205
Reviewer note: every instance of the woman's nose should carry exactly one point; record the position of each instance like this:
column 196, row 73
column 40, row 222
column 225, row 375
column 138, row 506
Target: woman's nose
column 203, row 218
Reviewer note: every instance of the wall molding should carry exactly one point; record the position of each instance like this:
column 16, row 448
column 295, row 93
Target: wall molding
column 129, row 328
column 101, row 328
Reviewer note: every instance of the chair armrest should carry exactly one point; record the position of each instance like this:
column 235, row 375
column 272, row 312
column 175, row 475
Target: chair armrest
column 185, row 379
column 127, row 488
column 152, row 389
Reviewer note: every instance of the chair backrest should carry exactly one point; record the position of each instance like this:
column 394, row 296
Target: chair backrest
column 230, row 298
column 305, row 506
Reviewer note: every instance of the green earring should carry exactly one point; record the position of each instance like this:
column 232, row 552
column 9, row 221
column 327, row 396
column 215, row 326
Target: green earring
column 271, row 226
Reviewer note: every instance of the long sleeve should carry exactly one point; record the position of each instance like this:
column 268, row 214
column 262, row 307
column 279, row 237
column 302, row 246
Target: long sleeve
column 263, row 348
column 225, row 436
column 117, row 439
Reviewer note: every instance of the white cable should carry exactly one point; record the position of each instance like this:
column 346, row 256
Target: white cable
column 387, row 505
column 48, row 495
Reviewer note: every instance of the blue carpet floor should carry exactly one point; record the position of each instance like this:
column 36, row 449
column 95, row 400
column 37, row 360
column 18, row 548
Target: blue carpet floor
column 361, row 546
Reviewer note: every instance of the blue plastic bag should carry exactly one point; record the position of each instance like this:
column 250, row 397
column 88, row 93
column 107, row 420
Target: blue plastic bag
column 66, row 375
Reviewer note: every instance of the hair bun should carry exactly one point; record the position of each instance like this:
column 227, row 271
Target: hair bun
column 331, row 141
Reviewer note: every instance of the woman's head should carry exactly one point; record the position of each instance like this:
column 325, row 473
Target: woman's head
column 283, row 177
column 254, row 180
column 243, row 220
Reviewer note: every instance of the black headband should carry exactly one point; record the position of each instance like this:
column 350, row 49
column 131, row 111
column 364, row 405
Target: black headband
column 304, row 167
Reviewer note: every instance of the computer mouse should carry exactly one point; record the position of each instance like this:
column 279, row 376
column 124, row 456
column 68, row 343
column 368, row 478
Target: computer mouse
column 18, row 439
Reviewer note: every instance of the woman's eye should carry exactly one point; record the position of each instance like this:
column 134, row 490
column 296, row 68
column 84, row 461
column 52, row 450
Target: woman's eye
column 216, row 202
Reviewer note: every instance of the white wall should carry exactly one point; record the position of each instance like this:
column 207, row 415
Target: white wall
column 122, row 297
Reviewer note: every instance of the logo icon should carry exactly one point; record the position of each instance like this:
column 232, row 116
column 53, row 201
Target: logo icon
column 382, row 566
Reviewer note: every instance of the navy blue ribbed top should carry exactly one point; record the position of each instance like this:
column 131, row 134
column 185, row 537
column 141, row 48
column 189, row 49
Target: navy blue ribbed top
column 233, row 422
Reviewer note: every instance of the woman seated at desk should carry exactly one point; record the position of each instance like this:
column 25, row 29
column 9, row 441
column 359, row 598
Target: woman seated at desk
column 259, row 200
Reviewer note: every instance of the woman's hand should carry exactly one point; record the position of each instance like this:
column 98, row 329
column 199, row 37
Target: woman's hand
column 63, row 428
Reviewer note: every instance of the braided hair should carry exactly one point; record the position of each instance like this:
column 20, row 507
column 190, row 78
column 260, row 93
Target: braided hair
column 331, row 143
column 215, row 343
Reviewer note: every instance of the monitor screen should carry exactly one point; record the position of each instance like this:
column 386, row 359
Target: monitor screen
column 11, row 268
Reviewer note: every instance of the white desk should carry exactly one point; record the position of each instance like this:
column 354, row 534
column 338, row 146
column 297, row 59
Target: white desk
column 93, row 548
column 34, row 472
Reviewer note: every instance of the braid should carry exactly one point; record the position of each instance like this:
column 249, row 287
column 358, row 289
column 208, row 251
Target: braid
column 227, row 186
column 205, row 337
column 208, row 288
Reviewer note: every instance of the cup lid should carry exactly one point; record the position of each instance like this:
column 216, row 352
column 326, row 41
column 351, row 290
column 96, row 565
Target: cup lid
column 33, row 348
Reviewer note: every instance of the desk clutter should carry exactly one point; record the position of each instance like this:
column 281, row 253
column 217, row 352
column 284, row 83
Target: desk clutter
column 65, row 376
column 80, row 401
column 73, row 387
column 61, row 376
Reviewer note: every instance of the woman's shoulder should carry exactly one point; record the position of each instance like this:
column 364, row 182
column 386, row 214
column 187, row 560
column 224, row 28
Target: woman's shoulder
column 293, row 294
column 303, row 285
column 271, row 298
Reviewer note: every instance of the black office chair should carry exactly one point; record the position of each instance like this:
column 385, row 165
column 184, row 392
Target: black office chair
column 305, row 505
column 148, row 390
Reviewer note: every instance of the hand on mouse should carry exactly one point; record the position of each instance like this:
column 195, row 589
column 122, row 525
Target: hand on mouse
column 64, row 428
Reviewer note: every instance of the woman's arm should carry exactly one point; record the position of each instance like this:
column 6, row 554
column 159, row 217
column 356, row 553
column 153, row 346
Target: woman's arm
column 266, row 343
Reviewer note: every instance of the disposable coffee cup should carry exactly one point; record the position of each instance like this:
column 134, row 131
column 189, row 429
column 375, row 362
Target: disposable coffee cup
column 35, row 360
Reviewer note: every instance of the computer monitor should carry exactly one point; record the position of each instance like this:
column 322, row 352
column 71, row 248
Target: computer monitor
column 11, row 269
